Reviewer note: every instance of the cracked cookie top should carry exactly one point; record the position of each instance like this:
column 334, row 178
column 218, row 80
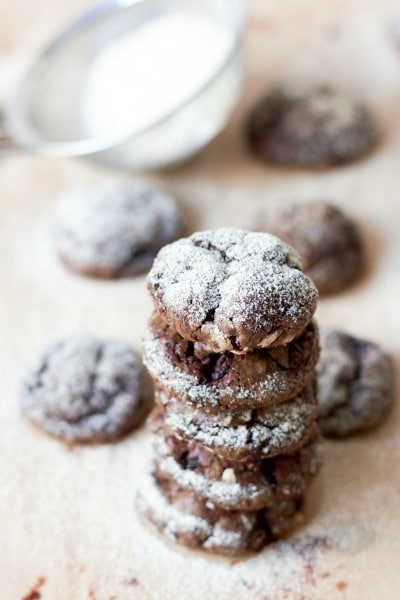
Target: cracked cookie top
column 114, row 229
column 83, row 389
column 232, row 290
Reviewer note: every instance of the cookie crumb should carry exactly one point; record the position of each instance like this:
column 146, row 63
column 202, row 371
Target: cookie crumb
column 341, row 586
column 132, row 581
column 34, row 593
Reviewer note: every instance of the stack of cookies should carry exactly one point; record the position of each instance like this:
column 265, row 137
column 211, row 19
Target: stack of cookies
column 232, row 350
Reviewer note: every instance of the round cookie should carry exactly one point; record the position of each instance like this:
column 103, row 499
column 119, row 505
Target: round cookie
column 114, row 229
column 318, row 127
column 232, row 290
column 195, row 523
column 326, row 239
column 212, row 381
column 242, row 435
column 234, row 485
column 355, row 384
column 84, row 389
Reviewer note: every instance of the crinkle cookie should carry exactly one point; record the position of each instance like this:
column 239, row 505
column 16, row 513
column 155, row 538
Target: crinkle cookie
column 231, row 484
column 195, row 523
column 242, row 435
column 232, row 290
column 114, row 229
column 318, row 127
column 190, row 371
column 355, row 383
column 84, row 389
column 326, row 239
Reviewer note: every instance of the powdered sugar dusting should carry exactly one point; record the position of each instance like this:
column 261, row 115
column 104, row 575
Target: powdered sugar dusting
column 173, row 522
column 334, row 110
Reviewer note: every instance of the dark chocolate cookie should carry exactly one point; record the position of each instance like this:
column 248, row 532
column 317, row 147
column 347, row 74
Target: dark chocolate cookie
column 212, row 381
column 230, row 484
column 232, row 290
column 355, row 384
column 83, row 389
column 242, row 435
column 184, row 518
column 115, row 229
column 310, row 128
column 326, row 239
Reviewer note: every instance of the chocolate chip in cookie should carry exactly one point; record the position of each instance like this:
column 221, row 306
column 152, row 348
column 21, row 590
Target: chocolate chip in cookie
column 355, row 384
column 232, row 290
column 114, row 229
column 84, row 389
column 318, row 127
column 327, row 240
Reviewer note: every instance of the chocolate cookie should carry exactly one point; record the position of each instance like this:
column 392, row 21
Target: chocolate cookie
column 355, row 383
column 212, row 381
column 83, row 389
column 326, row 239
column 242, row 435
column 232, row 290
column 182, row 517
column 310, row 128
column 234, row 485
column 115, row 229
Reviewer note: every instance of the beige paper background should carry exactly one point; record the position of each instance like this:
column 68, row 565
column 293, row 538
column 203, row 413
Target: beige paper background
column 67, row 515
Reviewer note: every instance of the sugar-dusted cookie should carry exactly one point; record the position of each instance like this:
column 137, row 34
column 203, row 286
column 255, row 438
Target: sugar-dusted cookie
column 212, row 381
column 232, row 290
column 85, row 389
column 355, row 384
column 114, row 229
column 243, row 435
column 316, row 127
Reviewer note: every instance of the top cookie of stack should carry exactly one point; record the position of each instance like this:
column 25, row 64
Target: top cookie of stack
column 232, row 290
